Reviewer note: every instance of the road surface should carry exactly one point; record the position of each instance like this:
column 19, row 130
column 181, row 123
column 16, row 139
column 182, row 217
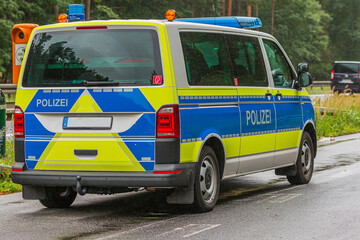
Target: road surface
column 259, row 206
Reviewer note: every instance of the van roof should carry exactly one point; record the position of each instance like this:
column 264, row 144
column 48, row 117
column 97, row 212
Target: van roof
column 175, row 24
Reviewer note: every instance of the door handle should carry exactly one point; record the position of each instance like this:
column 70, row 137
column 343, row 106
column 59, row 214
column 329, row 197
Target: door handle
column 85, row 153
column 278, row 94
column 268, row 94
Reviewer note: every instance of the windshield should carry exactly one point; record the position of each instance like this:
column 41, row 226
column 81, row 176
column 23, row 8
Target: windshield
column 346, row 68
column 72, row 58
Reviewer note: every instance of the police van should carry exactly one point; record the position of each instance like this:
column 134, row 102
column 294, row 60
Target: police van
column 105, row 107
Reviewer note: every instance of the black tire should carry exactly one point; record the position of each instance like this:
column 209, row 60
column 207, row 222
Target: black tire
column 207, row 181
column 58, row 197
column 305, row 161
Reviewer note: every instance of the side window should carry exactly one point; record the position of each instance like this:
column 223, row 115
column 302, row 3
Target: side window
column 246, row 60
column 206, row 59
column 280, row 68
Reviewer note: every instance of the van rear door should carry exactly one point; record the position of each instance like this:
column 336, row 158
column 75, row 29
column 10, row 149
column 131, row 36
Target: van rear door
column 89, row 107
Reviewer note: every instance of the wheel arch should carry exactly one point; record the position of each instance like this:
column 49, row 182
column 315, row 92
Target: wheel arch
column 215, row 142
column 309, row 127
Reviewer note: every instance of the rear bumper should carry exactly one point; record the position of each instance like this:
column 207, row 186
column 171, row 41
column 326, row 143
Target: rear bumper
column 109, row 179
column 342, row 87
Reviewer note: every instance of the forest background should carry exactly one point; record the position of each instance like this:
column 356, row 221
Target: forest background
column 314, row 31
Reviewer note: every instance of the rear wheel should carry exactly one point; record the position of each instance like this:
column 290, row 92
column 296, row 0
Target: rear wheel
column 305, row 161
column 207, row 181
column 58, row 197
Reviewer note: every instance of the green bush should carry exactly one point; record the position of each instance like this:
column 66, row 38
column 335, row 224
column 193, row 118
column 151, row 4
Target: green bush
column 6, row 185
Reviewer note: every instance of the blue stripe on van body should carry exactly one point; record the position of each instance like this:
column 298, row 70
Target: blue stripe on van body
column 54, row 100
column 289, row 115
column 34, row 148
column 121, row 100
column 309, row 114
column 138, row 130
column 257, row 119
column 36, row 129
column 199, row 122
column 208, row 99
column 144, row 152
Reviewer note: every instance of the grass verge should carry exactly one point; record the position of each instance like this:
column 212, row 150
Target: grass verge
column 318, row 90
column 337, row 115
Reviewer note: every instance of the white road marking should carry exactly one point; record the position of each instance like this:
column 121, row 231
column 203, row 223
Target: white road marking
column 210, row 226
column 190, row 230
column 281, row 198
column 116, row 235
column 176, row 230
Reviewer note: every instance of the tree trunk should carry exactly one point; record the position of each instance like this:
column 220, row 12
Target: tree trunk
column 238, row 8
column 222, row 7
column 272, row 17
column 256, row 10
column 229, row 11
column 203, row 9
column 248, row 8
column 87, row 17
column 56, row 10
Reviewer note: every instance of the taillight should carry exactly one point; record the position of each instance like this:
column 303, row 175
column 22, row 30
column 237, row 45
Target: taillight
column 332, row 75
column 17, row 170
column 168, row 122
column 19, row 126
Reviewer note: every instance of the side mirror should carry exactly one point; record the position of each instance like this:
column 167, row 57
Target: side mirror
column 302, row 67
column 305, row 79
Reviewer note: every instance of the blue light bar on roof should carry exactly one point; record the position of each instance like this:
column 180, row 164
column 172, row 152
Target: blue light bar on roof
column 76, row 13
column 236, row 22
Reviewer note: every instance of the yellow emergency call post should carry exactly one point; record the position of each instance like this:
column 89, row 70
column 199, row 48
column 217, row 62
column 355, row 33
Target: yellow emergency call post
column 20, row 35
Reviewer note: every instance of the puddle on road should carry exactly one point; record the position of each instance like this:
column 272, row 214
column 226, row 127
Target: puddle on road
column 340, row 161
column 245, row 191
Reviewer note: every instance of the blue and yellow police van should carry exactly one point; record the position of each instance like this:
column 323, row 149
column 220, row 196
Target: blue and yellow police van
column 111, row 106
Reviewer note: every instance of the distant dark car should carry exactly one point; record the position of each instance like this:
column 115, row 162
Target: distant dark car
column 345, row 76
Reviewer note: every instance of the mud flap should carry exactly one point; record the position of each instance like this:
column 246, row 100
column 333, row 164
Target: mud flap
column 33, row 192
column 288, row 171
column 184, row 195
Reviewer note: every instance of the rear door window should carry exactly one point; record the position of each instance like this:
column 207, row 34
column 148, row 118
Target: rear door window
column 346, row 68
column 68, row 58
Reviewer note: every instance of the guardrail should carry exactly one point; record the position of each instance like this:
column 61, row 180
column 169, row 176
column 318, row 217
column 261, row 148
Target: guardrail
column 8, row 90
column 320, row 84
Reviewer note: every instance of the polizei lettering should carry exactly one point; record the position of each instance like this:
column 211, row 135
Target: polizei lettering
column 258, row 117
column 56, row 102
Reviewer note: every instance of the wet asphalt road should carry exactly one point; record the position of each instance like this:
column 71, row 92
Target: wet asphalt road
column 259, row 206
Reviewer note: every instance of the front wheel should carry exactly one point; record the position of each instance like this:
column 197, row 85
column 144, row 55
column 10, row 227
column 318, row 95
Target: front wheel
column 207, row 181
column 58, row 197
column 305, row 161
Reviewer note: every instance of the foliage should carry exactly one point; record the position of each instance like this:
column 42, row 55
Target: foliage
column 314, row 31
column 300, row 28
column 6, row 185
column 318, row 90
column 337, row 115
